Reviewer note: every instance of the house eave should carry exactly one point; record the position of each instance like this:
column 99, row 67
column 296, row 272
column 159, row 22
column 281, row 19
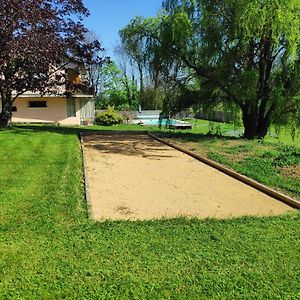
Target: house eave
column 37, row 95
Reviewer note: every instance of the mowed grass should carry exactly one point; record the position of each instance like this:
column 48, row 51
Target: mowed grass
column 49, row 249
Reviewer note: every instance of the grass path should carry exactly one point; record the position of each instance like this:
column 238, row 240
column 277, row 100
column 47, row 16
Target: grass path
column 50, row 250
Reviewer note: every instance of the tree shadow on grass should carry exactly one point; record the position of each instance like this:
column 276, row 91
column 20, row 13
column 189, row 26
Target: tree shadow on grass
column 28, row 129
column 71, row 130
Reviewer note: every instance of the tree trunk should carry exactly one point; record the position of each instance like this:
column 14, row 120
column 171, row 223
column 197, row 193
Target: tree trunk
column 250, row 124
column 128, row 92
column 6, row 112
column 263, row 128
column 255, row 125
column 141, row 75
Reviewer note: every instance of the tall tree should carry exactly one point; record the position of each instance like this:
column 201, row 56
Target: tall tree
column 128, row 75
column 243, row 53
column 117, row 88
column 93, row 63
column 133, row 44
column 36, row 38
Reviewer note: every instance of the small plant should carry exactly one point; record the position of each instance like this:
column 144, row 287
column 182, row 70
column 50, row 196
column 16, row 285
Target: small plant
column 109, row 117
column 214, row 129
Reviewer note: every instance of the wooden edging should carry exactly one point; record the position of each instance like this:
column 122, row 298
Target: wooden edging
column 86, row 178
column 270, row 192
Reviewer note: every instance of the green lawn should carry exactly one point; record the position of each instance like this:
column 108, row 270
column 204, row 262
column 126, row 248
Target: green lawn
column 203, row 127
column 49, row 249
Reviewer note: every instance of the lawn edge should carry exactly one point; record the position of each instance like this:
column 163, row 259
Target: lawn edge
column 258, row 186
column 86, row 183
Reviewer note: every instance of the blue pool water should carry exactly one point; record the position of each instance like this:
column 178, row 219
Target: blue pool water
column 155, row 122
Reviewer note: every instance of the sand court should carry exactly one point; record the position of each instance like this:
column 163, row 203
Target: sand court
column 134, row 177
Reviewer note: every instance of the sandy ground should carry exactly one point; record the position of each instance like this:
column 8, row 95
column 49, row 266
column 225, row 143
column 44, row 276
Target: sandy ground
column 132, row 176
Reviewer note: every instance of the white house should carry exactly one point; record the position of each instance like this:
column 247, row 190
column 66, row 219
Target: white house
column 62, row 107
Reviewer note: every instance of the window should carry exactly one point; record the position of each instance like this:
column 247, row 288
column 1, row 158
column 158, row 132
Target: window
column 71, row 108
column 37, row 104
column 14, row 109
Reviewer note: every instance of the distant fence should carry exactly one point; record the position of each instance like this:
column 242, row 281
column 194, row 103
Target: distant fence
column 218, row 116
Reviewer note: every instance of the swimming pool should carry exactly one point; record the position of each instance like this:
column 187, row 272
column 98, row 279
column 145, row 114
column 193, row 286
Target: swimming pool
column 155, row 122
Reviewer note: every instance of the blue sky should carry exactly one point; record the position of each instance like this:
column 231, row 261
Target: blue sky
column 109, row 16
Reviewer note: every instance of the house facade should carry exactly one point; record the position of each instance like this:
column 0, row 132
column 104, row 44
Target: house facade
column 63, row 107
column 77, row 110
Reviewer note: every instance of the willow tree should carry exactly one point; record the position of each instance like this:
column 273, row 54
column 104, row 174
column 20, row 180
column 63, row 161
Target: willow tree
column 243, row 53
column 139, row 42
column 133, row 45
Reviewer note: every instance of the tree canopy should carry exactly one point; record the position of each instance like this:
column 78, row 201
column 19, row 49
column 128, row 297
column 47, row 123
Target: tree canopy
column 243, row 54
column 36, row 38
column 117, row 88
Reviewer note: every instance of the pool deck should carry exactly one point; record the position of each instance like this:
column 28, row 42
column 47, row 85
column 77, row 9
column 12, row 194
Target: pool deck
column 183, row 126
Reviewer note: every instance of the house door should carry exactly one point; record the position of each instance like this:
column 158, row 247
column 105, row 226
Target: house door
column 87, row 109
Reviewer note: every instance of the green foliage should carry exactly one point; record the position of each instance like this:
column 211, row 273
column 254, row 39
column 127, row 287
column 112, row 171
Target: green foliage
column 152, row 98
column 220, row 159
column 134, row 43
column 214, row 129
column 243, row 54
column 117, row 89
column 275, row 17
column 287, row 155
column 241, row 148
column 109, row 117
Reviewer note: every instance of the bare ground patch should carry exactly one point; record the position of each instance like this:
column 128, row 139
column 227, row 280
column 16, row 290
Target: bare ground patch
column 132, row 176
column 292, row 171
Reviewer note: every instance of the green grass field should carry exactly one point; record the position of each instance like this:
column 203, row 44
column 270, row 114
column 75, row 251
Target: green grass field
column 49, row 249
column 203, row 127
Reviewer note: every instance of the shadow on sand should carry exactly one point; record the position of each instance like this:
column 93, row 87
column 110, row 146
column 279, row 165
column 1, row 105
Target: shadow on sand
column 127, row 143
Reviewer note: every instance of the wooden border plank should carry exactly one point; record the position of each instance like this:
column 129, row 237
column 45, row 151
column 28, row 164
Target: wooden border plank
column 86, row 178
column 258, row 186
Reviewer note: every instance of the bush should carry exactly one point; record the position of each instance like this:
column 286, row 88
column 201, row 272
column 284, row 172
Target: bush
column 128, row 116
column 109, row 117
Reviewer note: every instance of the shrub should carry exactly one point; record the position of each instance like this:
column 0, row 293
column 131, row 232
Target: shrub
column 128, row 116
column 109, row 117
